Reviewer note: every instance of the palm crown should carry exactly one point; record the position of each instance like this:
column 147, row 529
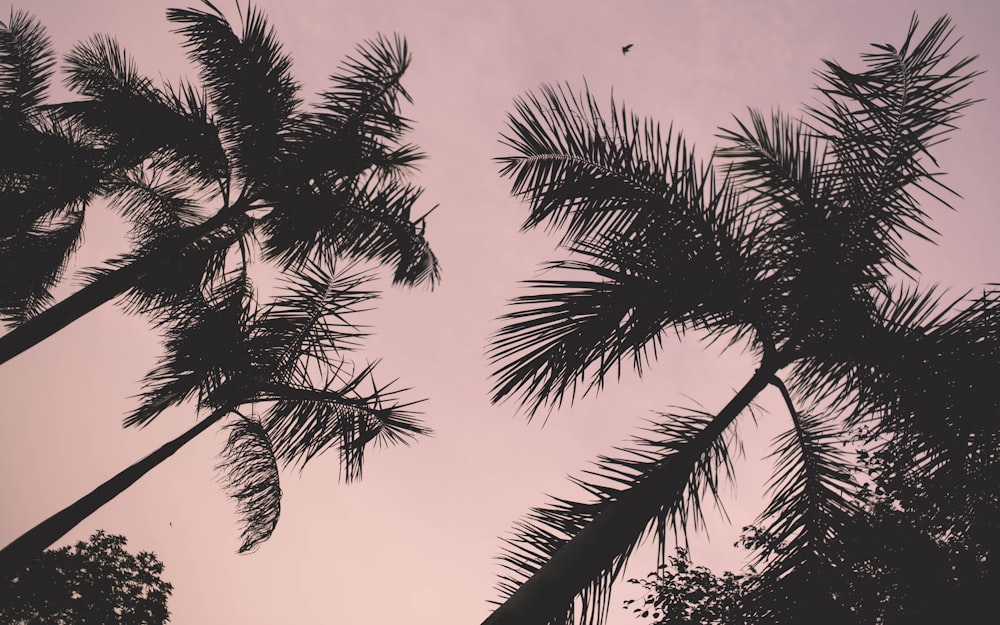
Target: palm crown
column 787, row 244
column 306, row 183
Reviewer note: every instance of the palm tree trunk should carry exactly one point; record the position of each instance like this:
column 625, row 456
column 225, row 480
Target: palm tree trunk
column 548, row 593
column 23, row 550
column 105, row 288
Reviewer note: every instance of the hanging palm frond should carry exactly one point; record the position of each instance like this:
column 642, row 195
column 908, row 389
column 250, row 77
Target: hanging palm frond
column 252, row 479
column 810, row 518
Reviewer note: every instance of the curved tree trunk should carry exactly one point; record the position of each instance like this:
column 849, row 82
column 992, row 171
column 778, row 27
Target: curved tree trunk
column 548, row 593
column 26, row 548
column 105, row 288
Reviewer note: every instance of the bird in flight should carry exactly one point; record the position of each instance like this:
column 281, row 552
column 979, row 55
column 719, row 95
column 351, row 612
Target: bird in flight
column 625, row 49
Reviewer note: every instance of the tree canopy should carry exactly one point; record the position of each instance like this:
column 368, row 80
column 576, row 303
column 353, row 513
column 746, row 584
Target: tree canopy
column 93, row 582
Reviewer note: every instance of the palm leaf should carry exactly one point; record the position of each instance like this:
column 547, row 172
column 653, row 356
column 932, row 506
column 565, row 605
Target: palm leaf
column 249, row 84
column 591, row 175
column 252, row 477
column 632, row 288
column 810, row 517
column 136, row 120
column 309, row 321
column 33, row 263
column 366, row 93
column 207, row 355
column 26, row 61
column 882, row 122
column 307, row 420
column 367, row 218
column 343, row 173
column 154, row 206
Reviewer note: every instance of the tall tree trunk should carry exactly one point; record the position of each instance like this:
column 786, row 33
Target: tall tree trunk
column 548, row 593
column 26, row 548
column 105, row 288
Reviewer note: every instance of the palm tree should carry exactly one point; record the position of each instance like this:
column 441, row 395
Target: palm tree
column 311, row 187
column 307, row 183
column 281, row 376
column 790, row 249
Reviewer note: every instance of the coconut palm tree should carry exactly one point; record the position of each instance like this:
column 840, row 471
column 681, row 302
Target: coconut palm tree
column 279, row 374
column 197, row 171
column 789, row 245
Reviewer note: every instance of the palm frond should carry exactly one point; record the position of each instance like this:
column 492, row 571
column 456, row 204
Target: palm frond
column 590, row 175
column 155, row 207
column 881, row 124
column 684, row 461
column 309, row 321
column 578, row 330
column 47, row 170
column 835, row 374
column 367, row 218
column 252, row 479
column 780, row 162
column 26, row 61
column 249, row 84
column 305, row 420
column 367, row 88
column 811, row 512
column 136, row 120
column 33, row 262
column 207, row 355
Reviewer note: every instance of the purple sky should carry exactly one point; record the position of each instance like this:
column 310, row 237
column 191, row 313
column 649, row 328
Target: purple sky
column 416, row 539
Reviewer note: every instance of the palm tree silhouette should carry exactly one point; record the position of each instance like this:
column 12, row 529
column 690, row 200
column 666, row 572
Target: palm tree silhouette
column 323, row 182
column 312, row 187
column 286, row 365
column 790, row 250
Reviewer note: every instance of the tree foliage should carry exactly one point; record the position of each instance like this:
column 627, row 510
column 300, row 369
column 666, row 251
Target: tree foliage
column 90, row 583
column 680, row 593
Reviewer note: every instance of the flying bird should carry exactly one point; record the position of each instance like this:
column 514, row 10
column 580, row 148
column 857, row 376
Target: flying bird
column 625, row 49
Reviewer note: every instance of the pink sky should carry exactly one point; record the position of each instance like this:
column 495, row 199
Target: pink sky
column 415, row 540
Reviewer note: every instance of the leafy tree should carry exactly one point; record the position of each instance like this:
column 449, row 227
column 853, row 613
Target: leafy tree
column 91, row 583
column 679, row 592
column 311, row 186
column 788, row 245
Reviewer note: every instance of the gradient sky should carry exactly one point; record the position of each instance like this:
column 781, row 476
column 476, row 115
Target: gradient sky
column 416, row 539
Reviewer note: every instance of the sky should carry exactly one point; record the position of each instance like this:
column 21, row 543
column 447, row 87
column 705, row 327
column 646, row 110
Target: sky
column 418, row 536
